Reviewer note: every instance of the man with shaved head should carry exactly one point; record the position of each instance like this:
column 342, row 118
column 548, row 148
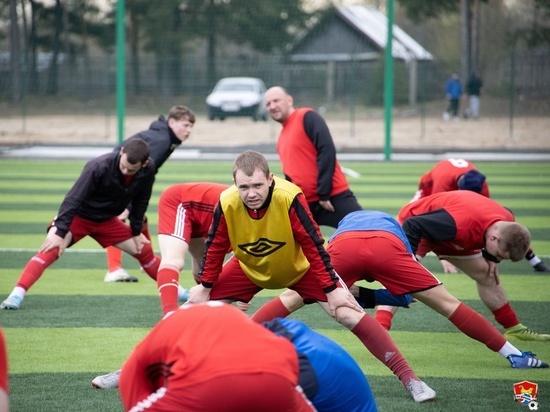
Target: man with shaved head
column 308, row 158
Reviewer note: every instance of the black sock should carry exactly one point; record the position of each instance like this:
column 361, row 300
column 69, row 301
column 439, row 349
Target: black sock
column 366, row 298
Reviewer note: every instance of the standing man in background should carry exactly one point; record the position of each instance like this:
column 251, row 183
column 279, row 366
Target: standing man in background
column 308, row 158
column 453, row 93
column 473, row 88
column 163, row 137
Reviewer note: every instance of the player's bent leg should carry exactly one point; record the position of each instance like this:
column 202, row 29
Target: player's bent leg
column 370, row 298
column 464, row 318
column 196, row 250
column 147, row 259
column 291, row 300
column 149, row 262
column 378, row 342
column 167, row 283
column 491, row 293
column 173, row 251
column 114, row 258
column 494, row 297
column 438, row 299
column 115, row 271
column 34, row 269
column 275, row 308
column 384, row 315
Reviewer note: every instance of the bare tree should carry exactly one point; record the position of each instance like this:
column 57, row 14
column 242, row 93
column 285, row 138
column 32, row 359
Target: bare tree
column 465, row 35
column 52, row 87
column 474, row 57
column 15, row 53
column 133, row 32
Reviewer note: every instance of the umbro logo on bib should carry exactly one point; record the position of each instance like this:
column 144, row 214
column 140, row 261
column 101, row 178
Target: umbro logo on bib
column 262, row 247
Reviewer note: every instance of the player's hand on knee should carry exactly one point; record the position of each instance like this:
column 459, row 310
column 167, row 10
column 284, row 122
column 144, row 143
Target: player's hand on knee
column 53, row 241
column 341, row 297
column 140, row 241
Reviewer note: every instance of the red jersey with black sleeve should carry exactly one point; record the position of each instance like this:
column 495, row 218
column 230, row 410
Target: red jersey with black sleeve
column 460, row 218
column 443, row 177
column 197, row 344
column 101, row 192
column 308, row 156
column 287, row 240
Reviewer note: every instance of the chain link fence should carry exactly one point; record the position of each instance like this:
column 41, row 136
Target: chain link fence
column 515, row 86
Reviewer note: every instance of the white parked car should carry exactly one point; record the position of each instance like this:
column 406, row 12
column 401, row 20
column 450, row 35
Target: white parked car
column 237, row 96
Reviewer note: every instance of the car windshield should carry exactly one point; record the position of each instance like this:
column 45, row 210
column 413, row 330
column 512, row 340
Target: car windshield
column 235, row 87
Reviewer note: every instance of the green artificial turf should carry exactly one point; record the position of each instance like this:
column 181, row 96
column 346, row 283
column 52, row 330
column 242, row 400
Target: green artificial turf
column 73, row 326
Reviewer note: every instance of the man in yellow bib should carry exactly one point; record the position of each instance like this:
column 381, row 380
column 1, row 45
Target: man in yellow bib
column 267, row 223
column 276, row 243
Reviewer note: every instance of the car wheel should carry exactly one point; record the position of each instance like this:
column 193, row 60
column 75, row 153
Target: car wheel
column 257, row 115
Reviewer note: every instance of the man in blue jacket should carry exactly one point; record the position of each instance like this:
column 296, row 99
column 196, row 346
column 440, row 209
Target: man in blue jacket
column 453, row 93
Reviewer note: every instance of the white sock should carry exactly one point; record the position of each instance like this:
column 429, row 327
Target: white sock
column 509, row 349
column 18, row 291
column 535, row 261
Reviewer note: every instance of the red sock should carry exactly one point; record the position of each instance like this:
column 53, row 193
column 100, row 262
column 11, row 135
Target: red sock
column 384, row 317
column 167, row 282
column 114, row 258
column 271, row 310
column 148, row 261
column 506, row 316
column 35, row 267
column 381, row 345
column 472, row 324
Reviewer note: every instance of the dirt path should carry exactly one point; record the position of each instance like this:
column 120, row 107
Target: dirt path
column 407, row 133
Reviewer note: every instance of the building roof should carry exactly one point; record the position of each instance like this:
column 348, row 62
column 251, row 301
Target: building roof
column 354, row 32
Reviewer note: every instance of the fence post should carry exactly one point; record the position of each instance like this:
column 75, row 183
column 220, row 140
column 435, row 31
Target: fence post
column 512, row 91
column 121, row 67
column 388, row 83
